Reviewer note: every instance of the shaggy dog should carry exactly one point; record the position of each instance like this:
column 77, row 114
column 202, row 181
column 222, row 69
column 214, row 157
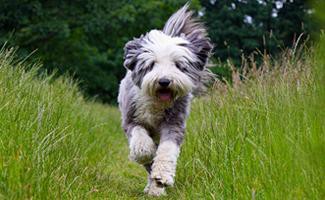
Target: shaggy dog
column 164, row 69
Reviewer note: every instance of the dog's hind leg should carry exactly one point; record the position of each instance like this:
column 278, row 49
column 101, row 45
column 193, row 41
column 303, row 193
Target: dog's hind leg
column 142, row 147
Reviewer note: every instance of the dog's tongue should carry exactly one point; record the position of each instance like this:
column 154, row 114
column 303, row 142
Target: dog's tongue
column 165, row 95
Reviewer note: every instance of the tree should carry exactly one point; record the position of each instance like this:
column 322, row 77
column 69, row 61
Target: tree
column 241, row 27
column 84, row 38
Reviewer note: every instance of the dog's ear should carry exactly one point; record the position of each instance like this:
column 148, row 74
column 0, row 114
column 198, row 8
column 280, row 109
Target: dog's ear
column 131, row 52
column 183, row 24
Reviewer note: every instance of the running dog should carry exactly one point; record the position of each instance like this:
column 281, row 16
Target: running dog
column 165, row 69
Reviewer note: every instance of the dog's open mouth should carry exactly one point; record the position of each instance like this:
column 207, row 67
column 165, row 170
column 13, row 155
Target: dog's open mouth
column 165, row 95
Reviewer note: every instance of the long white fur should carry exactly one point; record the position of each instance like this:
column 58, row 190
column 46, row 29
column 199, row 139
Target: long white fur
column 163, row 169
column 142, row 147
column 164, row 166
column 148, row 111
column 164, row 51
column 179, row 53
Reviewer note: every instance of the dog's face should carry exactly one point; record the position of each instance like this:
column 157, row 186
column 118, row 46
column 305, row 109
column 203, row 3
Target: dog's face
column 168, row 64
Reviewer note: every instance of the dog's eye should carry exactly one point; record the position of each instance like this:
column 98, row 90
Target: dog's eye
column 180, row 67
column 151, row 65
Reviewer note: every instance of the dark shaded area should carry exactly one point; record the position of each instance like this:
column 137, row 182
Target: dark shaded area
column 85, row 38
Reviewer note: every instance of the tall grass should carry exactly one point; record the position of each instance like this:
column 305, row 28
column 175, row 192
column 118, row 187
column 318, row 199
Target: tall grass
column 52, row 143
column 261, row 138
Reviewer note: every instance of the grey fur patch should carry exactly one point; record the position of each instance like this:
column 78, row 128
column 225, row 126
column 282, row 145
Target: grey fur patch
column 183, row 24
column 140, row 71
column 131, row 51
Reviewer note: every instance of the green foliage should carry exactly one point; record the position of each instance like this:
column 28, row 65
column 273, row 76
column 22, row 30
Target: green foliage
column 82, row 38
column 240, row 28
column 85, row 38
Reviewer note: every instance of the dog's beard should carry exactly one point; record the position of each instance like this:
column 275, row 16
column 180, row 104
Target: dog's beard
column 180, row 85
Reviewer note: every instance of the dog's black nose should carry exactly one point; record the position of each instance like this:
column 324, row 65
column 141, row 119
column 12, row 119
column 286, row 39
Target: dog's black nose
column 164, row 82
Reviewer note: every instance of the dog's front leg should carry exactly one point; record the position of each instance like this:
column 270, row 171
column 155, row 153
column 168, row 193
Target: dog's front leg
column 164, row 165
column 142, row 147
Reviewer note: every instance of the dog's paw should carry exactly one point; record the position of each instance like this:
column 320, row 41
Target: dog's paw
column 162, row 174
column 142, row 147
column 155, row 189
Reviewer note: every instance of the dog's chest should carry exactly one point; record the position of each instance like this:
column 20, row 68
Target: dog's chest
column 149, row 117
column 149, row 113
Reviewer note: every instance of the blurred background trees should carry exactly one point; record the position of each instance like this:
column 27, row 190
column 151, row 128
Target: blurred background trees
column 85, row 38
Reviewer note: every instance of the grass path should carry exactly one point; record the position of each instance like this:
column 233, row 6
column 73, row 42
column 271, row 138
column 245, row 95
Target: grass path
column 119, row 178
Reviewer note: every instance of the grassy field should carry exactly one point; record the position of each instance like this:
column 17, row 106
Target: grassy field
column 259, row 139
